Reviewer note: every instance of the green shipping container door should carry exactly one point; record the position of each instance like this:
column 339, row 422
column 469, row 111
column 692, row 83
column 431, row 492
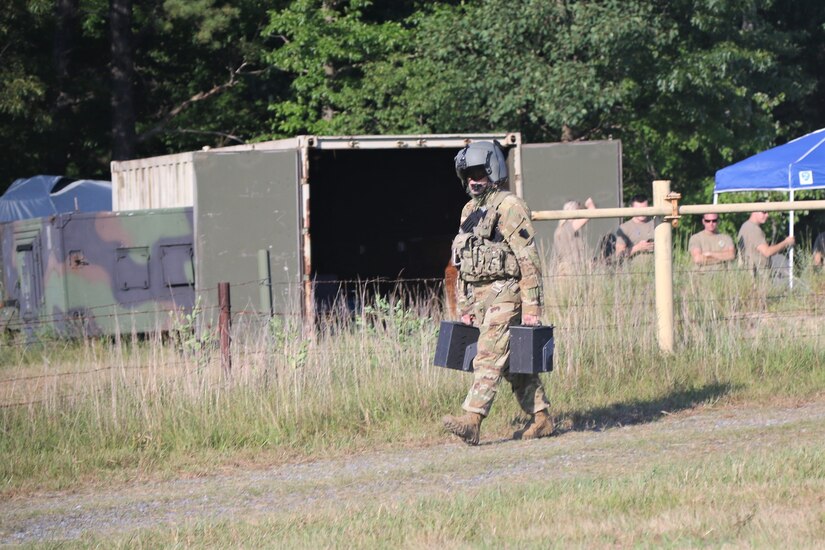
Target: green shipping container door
column 246, row 201
column 554, row 173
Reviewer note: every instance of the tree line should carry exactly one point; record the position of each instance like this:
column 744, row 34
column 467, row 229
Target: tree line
column 689, row 86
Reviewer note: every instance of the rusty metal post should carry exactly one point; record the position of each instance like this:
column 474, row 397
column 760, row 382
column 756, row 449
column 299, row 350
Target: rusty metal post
column 224, row 326
column 265, row 282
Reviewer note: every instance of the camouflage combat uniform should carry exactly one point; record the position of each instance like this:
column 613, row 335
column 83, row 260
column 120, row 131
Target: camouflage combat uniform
column 499, row 276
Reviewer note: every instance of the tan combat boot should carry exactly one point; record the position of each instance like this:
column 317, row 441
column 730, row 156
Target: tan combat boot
column 541, row 425
column 467, row 426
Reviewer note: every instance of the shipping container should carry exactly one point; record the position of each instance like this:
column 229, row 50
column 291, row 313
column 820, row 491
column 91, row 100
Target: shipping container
column 326, row 210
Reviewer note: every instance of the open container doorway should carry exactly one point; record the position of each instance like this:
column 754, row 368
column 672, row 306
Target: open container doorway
column 381, row 220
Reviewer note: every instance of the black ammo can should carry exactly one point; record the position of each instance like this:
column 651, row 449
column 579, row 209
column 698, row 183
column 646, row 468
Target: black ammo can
column 456, row 346
column 531, row 349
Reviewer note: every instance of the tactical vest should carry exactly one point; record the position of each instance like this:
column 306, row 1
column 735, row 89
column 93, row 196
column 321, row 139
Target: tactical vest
column 479, row 250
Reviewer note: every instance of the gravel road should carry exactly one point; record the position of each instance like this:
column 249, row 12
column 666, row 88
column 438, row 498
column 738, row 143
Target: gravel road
column 400, row 474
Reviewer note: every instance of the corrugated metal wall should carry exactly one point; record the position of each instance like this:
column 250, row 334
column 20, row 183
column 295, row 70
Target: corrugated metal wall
column 159, row 182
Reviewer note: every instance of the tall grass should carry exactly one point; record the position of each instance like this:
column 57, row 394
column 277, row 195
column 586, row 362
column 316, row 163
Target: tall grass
column 363, row 378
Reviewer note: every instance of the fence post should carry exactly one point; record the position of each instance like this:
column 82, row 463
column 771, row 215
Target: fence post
column 265, row 279
column 663, row 267
column 224, row 325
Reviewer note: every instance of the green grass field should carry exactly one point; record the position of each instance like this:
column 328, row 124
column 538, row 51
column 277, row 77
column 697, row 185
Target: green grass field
column 96, row 413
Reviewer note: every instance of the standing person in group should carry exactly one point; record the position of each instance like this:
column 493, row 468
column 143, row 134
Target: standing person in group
column 819, row 251
column 634, row 238
column 710, row 249
column 499, row 284
column 754, row 250
column 570, row 254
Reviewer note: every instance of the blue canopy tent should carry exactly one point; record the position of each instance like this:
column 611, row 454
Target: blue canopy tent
column 48, row 195
column 796, row 165
column 799, row 164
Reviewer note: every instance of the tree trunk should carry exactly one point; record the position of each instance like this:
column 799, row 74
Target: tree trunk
column 329, row 6
column 123, row 69
column 65, row 38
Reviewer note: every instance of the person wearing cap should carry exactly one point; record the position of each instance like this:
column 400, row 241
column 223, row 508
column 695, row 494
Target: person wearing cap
column 499, row 285
column 710, row 249
column 754, row 250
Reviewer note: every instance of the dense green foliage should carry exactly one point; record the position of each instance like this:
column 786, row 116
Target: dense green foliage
column 198, row 79
column 687, row 85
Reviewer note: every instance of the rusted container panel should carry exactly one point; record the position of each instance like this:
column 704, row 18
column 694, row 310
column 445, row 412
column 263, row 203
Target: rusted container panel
column 555, row 173
column 247, row 201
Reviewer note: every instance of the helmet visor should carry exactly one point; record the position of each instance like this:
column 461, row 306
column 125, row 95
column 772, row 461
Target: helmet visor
column 476, row 173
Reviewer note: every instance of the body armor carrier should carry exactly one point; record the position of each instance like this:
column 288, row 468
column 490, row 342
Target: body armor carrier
column 479, row 250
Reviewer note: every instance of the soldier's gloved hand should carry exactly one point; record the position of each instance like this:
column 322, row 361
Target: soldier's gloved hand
column 529, row 320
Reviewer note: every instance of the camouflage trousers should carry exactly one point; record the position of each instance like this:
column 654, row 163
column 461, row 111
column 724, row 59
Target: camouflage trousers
column 496, row 306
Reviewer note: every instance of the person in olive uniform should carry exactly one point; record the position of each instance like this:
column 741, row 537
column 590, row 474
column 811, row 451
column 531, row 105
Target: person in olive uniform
column 754, row 250
column 710, row 249
column 570, row 255
column 634, row 238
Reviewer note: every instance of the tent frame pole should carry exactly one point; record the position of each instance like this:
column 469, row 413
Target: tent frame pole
column 790, row 251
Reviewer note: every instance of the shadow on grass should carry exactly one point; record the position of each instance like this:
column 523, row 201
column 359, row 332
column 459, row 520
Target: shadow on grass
column 640, row 411
column 625, row 414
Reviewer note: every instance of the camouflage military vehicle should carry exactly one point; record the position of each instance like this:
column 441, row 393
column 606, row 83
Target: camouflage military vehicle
column 97, row 273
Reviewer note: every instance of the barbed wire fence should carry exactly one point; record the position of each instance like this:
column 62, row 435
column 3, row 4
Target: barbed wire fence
column 751, row 308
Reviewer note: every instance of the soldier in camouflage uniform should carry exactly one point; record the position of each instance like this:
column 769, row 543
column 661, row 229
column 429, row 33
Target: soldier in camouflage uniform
column 499, row 285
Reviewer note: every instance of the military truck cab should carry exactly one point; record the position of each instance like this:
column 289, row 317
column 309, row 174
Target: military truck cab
column 87, row 274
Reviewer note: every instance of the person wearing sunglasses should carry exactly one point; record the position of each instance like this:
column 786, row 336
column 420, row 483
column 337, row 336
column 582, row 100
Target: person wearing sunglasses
column 754, row 250
column 499, row 285
column 710, row 249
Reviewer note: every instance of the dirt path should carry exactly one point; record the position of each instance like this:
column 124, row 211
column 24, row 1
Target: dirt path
column 403, row 474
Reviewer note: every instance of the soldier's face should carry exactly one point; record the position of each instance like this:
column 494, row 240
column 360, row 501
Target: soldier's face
column 639, row 219
column 478, row 187
column 711, row 223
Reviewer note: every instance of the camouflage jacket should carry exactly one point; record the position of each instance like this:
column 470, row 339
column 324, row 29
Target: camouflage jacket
column 516, row 231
